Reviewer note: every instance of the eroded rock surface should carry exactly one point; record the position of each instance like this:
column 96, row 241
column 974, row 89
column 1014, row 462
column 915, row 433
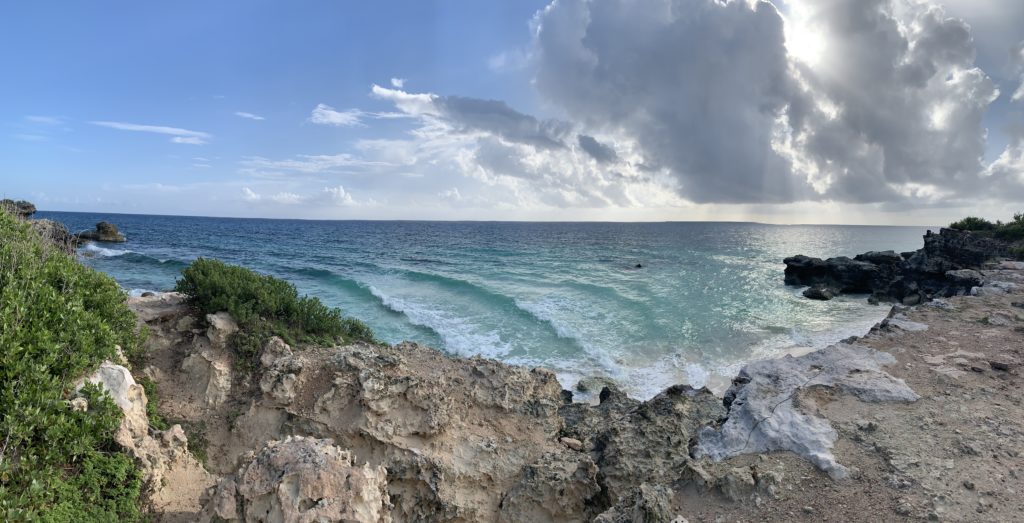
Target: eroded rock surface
column 301, row 480
column 764, row 414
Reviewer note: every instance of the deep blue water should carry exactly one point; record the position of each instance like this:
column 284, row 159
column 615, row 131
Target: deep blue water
column 567, row 296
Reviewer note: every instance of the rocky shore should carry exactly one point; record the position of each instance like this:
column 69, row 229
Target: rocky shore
column 944, row 267
column 916, row 420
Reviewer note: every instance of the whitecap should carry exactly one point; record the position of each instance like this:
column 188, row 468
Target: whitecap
column 93, row 250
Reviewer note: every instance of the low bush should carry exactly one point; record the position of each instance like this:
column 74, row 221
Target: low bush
column 264, row 306
column 972, row 223
column 58, row 321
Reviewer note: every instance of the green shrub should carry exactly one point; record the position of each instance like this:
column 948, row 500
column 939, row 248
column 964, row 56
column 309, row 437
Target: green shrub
column 1017, row 252
column 155, row 419
column 973, row 223
column 58, row 321
column 264, row 306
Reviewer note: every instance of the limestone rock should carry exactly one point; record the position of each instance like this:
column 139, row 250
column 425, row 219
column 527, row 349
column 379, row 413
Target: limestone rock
column 274, row 349
column 221, row 327
column 160, row 455
column 644, row 504
column 763, row 416
column 965, row 278
column 209, row 369
column 302, row 480
column 557, row 487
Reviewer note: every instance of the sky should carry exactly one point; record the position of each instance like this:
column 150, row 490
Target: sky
column 797, row 111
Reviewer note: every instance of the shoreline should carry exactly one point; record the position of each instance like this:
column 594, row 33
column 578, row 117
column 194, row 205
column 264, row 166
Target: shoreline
column 890, row 474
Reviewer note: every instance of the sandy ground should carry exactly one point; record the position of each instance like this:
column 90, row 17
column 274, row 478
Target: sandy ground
column 954, row 455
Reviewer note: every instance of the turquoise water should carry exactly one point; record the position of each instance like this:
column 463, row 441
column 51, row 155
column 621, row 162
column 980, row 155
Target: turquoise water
column 567, row 296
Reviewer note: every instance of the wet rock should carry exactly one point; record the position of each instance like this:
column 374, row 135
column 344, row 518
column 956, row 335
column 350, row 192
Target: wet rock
column 105, row 232
column 301, row 480
column 820, row 292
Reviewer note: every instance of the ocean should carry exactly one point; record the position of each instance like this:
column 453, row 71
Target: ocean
column 647, row 304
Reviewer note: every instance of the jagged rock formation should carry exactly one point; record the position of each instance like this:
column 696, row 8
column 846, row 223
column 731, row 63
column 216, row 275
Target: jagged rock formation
column 936, row 270
column 301, row 480
column 105, row 232
column 460, row 439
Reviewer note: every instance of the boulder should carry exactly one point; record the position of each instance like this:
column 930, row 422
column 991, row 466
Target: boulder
column 301, row 480
column 105, row 232
column 820, row 292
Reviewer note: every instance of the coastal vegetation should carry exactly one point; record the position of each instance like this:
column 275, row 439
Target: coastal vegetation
column 1012, row 230
column 265, row 306
column 58, row 321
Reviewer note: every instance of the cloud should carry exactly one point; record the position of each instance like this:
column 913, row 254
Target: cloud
column 597, row 150
column 886, row 107
column 328, row 196
column 326, row 115
column 178, row 135
column 398, row 83
column 250, row 116
column 308, row 164
column 44, row 120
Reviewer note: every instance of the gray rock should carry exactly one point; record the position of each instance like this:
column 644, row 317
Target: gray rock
column 820, row 292
column 105, row 232
column 965, row 278
column 301, row 480
column 644, row 504
column 20, row 208
column 762, row 416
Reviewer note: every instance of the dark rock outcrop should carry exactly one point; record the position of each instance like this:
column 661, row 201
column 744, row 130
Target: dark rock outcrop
column 19, row 208
column 105, row 232
column 942, row 268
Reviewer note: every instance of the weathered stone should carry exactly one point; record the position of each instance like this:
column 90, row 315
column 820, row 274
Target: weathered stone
column 820, row 292
column 209, row 368
column 763, row 416
column 644, row 504
column 302, row 480
column 557, row 487
column 221, row 327
column 105, row 232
